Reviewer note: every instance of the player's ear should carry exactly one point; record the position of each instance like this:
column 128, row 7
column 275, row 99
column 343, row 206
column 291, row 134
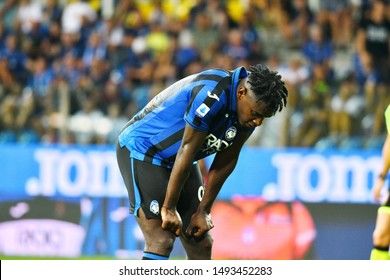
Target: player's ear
column 240, row 92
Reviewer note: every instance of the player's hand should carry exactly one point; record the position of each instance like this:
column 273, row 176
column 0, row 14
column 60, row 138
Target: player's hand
column 200, row 223
column 171, row 220
column 377, row 189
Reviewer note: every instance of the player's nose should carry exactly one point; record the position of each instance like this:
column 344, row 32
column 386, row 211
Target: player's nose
column 258, row 121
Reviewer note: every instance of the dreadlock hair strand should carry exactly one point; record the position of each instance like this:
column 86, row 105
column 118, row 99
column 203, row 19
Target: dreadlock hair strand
column 268, row 86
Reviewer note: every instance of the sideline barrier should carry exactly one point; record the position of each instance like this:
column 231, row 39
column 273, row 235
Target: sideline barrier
column 70, row 200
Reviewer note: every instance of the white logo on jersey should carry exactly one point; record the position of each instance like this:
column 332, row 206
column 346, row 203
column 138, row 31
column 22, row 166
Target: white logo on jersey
column 202, row 110
column 212, row 144
column 154, row 207
column 230, row 133
column 213, row 95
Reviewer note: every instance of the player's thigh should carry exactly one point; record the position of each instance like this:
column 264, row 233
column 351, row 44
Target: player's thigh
column 151, row 181
column 157, row 239
column 382, row 227
column 191, row 195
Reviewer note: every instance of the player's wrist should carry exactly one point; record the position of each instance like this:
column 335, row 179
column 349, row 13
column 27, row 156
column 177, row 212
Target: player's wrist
column 204, row 209
column 382, row 176
column 169, row 208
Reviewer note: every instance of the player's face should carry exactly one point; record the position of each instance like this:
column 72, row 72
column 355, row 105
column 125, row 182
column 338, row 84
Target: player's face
column 250, row 113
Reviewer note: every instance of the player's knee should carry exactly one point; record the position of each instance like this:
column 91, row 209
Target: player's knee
column 208, row 243
column 161, row 244
column 198, row 249
column 380, row 238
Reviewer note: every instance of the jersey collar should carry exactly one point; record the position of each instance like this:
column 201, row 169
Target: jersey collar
column 237, row 74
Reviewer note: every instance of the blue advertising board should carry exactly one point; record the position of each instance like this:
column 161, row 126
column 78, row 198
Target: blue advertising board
column 70, row 172
column 80, row 190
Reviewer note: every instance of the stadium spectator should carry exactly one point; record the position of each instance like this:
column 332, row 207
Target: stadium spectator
column 117, row 119
column 29, row 13
column 318, row 50
column 3, row 35
column 315, row 115
column 211, row 37
column 69, row 68
column 130, row 18
column 373, row 46
column 84, row 124
column 185, row 51
column 41, row 78
column 335, row 17
column 157, row 39
column 16, row 58
column 96, row 49
column 52, row 12
column 34, row 39
column 296, row 22
column 295, row 74
column 235, row 46
column 220, row 19
column 17, row 109
column 111, row 33
column 77, row 15
column 51, row 47
column 252, row 37
column 222, row 61
column 6, row 77
column 345, row 118
column 265, row 27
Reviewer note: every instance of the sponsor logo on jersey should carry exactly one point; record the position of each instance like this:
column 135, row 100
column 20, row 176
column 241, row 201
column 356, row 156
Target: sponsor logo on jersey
column 213, row 144
column 202, row 110
column 154, row 207
column 230, row 133
column 213, row 95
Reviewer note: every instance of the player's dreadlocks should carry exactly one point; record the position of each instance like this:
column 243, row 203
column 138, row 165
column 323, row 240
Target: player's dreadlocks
column 267, row 85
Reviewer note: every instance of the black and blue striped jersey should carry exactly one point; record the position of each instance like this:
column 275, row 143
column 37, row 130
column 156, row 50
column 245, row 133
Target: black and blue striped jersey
column 206, row 101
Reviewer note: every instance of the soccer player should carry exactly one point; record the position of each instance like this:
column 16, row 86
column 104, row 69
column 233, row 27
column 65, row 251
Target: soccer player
column 212, row 112
column 381, row 235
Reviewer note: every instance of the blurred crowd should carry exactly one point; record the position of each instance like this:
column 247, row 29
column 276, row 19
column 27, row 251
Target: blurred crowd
column 74, row 71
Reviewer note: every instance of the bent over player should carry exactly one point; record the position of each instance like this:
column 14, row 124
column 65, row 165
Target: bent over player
column 211, row 112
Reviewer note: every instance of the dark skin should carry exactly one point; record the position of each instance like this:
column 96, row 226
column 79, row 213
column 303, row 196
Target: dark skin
column 250, row 114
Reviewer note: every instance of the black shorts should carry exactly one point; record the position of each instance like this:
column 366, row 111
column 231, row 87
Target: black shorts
column 147, row 183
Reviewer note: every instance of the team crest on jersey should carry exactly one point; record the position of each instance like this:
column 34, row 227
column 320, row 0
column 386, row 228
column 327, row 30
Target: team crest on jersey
column 231, row 133
column 154, row 207
column 202, row 110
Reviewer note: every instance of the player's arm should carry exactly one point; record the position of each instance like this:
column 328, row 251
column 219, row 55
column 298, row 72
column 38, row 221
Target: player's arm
column 222, row 166
column 384, row 170
column 385, row 157
column 191, row 144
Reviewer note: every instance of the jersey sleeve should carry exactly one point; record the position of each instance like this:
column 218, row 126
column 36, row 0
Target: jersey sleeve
column 204, row 108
